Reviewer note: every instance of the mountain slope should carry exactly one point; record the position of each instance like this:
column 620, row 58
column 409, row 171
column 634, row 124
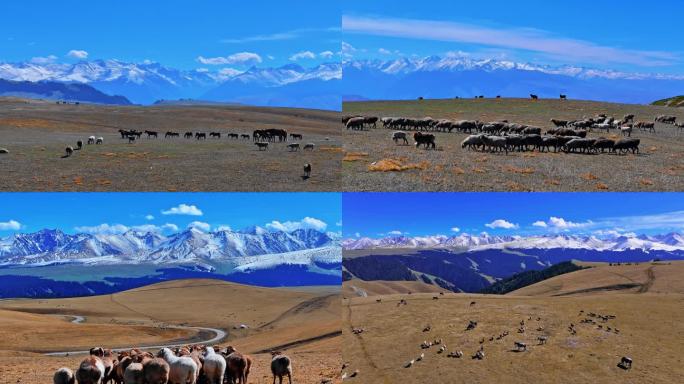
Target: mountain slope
column 58, row 91
column 523, row 279
column 675, row 101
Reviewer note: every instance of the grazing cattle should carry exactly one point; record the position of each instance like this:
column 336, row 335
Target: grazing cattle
column 296, row 136
column 151, row 134
column 188, row 135
column 293, row 147
column 644, row 125
column 399, row 135
column 666, row 119
column 534, row 97
column 309, row 146
column 479, row 355
column 626, row 145
column 172, row 134
column 261, row 145
column 200, row 136
column 216, row 135
column 428, row 140
column 91, row 140
column 471, row 325
column 355, row 123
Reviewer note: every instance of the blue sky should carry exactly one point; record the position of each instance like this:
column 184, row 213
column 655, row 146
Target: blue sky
column 173, row 32
column 419, row 214
column 628, row 36
column 166, row 212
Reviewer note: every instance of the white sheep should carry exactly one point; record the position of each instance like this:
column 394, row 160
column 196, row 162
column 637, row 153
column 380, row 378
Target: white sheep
column 214, row 366
column 91, row 140
column 182, row 370
column 99, row 140
column 63, row 376
column 91, row 371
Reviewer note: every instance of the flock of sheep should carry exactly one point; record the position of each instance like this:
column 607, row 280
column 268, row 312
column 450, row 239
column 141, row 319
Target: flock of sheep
column 195, row 364
column 588, row 319
column 503, row 136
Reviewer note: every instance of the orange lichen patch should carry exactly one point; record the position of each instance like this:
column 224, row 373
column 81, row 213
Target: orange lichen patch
column 109, row 154
column 103, row 182
column 516, row 187
column 78, row 180
column 646, row 182
column 479, row 170
column 589, row 176
column 354, row 156
column 522, row 171
column 457, row 170
column 552, row 182
column 601, row 187
column 332, row 149
column 392, row 165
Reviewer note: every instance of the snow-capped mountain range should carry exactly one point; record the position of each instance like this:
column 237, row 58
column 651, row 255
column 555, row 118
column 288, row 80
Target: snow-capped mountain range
column 189, row 247
column 148, row 82
column 462, row 76
column 666, row 242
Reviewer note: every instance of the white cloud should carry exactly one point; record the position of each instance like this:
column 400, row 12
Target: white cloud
column 183, row 209
column 501, row 223
column 339, row 223
column 347, row 50
column 240, row 58
column 285, row 35
column 224, row 228
column 561, row 223
column 326, row 54
column 105, row 229
column 455, row 229
column 384, row 51
column 11, row 225
column 270, row 57
column 149, row 217
column 539, row 223
column 357, row 234
column 44, row 60
column 305, row 223
column 395, row 233
column 308, row 55
column 155, row 228
column 524, row 39
column 77, row 54
column 228, row 73
column 202, row 226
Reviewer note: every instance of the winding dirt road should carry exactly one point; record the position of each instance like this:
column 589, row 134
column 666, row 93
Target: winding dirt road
column 218, row 335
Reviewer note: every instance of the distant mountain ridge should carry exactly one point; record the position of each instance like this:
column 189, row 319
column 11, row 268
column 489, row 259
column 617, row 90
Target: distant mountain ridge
column 460, row 76
column 53, row 90
column 145, row 83
column 664, row 242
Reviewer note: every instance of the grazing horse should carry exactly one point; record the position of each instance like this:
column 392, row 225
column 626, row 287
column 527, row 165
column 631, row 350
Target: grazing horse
column 309, row 146
column 131, row 139
column 151, row 134
column 296, row 136
column 563, row 97
column 233, row 136
column 244, row 136
column 188, row 135
column 200, row 136
column 215, row 134
column 534, row 97
column 293, row 147
column 171, row 134
column 91, row 140
column 261, row 145
column 79, row 145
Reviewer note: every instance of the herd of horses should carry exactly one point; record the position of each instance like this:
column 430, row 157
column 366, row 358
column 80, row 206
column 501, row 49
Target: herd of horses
column 265, row 135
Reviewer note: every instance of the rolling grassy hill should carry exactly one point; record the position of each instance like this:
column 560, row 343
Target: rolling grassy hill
column 675, row 101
